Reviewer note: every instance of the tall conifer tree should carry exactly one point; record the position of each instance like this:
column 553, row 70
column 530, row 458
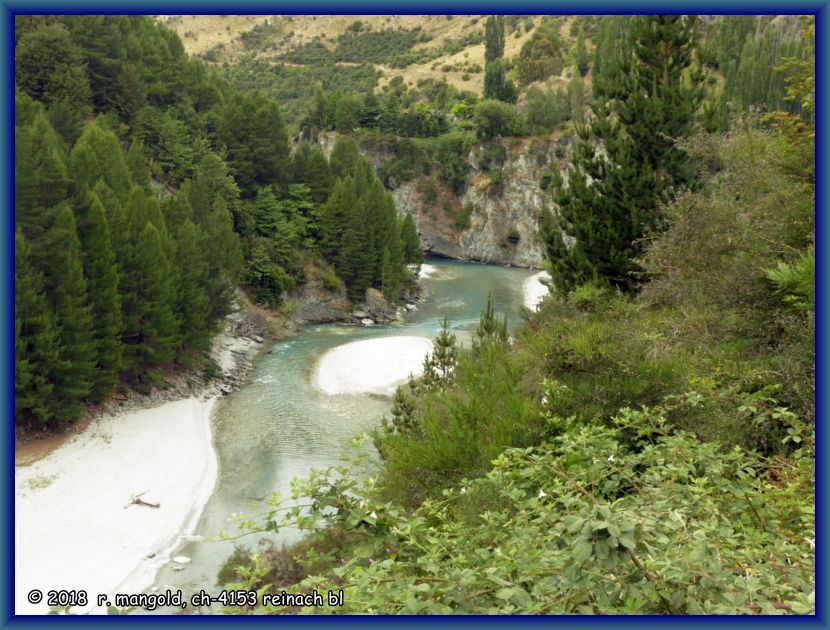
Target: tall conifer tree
column 36, row 348
column 158, row 329
column 102, row 287
column 610, row 199
column 67, row 290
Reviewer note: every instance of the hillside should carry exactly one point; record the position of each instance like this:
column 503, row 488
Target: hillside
column 222, row 38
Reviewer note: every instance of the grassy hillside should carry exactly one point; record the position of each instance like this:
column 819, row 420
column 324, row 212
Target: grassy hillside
column 224, row 38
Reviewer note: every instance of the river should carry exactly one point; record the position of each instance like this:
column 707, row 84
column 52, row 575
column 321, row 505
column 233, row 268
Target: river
column 278, row 426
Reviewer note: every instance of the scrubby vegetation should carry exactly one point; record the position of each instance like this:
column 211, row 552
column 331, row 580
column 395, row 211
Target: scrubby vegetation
column 646, row 451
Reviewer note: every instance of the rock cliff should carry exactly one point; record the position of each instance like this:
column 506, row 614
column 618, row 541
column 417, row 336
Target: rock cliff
column 494, row 217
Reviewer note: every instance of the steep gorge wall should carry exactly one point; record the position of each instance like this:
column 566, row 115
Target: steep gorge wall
column 504, row 198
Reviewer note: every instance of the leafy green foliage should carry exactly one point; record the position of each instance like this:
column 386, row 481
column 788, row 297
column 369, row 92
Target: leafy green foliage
column 495, row 118
column 591, row 521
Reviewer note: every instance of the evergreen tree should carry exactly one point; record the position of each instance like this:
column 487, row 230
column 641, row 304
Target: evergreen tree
column 223, row 254
column 312, row 169
column 493, row 38
column 439, row 366
column 403, row 414
column 192, row 307
column 334, row 216
column 581, row 53
column 137, row 165
column 66, row 288
column 491, row 330
column 345, row 157
column 353, row 260
column 412, row 252
column 36, row 348
column 41, row 177
column 66, row 120
column 98, row 155
column 610, row 199
column 102, row 287
column 369, row 111
column 576, row 96
column 155, row 341
column 49, row 67
column 212, row 179
column 251, row 128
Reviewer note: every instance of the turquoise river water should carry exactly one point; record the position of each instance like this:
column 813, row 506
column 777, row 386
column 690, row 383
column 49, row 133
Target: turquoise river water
column 278, row 426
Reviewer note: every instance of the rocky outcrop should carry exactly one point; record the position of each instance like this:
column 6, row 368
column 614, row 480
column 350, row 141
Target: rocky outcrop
column 319, row 305
column 505, row 200
column 503, row 197
column 378, row 309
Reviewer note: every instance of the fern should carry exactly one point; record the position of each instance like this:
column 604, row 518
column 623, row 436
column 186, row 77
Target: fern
column 795, row 281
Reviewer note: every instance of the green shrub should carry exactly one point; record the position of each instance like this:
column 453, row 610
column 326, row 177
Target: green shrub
column 462, row 219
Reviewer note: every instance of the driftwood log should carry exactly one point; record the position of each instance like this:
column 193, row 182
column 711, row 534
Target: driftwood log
column 137, row 500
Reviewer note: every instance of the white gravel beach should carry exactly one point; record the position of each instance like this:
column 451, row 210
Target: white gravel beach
column 534, row 291
column 375, row 366
column 73, row 529
column 74, row 526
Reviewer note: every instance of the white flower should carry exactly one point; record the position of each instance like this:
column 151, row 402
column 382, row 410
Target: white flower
column 812, row 542
column 611, row 458
column 373, row 514
column 544, row 400
column 542, row 494
column 463, row 490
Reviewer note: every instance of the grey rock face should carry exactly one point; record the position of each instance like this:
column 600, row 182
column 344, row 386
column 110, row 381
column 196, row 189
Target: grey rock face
column 504, row 222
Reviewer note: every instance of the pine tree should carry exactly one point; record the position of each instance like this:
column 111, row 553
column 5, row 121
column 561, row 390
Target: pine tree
column 102, row 287
column 445, row 353
column 41, row 177
column 581, row 53
column 333, row 216
column 439, row 366
column 137, row 164
column 576, row 96
column 192, row 307
column 36, row 348
column 49, row 67
column 212, row 179
column 223, row 254
column 403, row 414
column 66, row 289
column 491, row 330
column 98, row 155
column 154, row 343
column 353, row 260
column 313, row 170
column 412, row 252
column 252, row 130
column 66, row 120
column 390, row 277
column 610, row 199
column 344, row 157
